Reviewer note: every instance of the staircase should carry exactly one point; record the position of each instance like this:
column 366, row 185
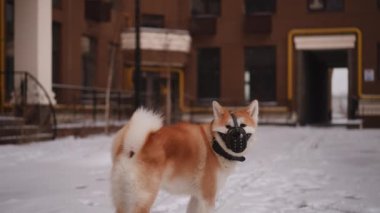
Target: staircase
column 14, row 130
column 28, row 113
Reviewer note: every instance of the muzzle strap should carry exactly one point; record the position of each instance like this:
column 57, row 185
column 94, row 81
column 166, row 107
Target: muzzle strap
column 234, row 119
column 236, row 137
column 218, row 149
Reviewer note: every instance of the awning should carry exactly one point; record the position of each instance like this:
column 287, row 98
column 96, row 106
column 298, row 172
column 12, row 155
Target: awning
column 159, row 39
column 325, row 42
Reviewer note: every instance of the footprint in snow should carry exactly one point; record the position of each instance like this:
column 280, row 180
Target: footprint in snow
column 88, row 202
column 100, row 179
column 98, row 193
column 81, row 187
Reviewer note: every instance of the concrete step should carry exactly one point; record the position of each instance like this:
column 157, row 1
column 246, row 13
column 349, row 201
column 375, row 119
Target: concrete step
column 11, row 120
column 348, row 123
column 9, row 130
column 17, row 139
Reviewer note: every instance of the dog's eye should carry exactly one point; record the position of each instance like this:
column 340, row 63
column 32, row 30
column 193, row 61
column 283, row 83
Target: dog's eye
column 228, row 126
column 243, row 125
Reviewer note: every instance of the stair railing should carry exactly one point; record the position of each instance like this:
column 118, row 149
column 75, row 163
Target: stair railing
column 21, row 94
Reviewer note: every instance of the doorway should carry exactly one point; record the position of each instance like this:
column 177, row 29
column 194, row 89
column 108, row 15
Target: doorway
column 160, row 92
column 315, row 84
column 339, row 94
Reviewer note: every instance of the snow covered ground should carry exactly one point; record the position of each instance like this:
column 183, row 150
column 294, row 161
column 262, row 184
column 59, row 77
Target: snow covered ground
column 329, row 170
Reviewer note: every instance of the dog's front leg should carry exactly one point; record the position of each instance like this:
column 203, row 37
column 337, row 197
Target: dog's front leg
column 199, row 205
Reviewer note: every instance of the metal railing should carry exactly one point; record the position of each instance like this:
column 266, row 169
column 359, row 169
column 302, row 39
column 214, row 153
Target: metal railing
column 27, row 98
column 78, row 103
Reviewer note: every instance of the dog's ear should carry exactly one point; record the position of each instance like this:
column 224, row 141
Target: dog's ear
column 253, row 110
column 217, row 109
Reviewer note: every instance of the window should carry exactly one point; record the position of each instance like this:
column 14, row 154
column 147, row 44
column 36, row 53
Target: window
column 208, row 73
column 326, row 5
column 205, row 7
column 57, row 4
column 258, row 16
column 378, row 61
column 97, row 10
column 247, row 85
column 89, row 51
column 260, row 6
column 57, row 38
column 334, row 5
column 260, row 63
column 148, row 20
column 115, row 4
column 9, row 17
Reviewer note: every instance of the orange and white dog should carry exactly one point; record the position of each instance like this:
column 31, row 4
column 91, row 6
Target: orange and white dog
column 182, row 158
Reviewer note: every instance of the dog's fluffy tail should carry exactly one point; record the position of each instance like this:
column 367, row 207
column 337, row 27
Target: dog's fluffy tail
column 142, row 123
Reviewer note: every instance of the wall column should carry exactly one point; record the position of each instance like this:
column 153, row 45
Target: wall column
column 2, row 54
column 33, row 44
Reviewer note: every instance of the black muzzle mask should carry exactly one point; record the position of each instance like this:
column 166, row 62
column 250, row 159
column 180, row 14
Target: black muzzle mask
column 236, row 138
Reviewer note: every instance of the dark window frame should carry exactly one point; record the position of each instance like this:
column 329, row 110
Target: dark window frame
column 89, row 70
column 250, row 9
column 9, row 18
column 153, row 20
column 378, row 60
column 57, row 4
column 310, row 2
column 115, row 4
column 327, row 6
column 98, row 10
column 206, row 10
column 57, row 52
column 9, row 22
column 263, row 94
column 208, row 73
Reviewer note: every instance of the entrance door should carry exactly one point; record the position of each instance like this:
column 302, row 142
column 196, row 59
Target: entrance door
column 314, row 84
column 152, row 84
column 155, row 91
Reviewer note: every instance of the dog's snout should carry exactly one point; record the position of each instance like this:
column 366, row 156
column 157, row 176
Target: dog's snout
column 237, row 135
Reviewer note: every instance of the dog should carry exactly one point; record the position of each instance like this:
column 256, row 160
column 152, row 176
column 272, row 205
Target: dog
column 183, row 158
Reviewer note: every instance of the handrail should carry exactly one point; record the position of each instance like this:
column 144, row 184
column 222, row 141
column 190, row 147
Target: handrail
column 48, row 98
column 82, row 88
column 90, row 95
column 50, row 103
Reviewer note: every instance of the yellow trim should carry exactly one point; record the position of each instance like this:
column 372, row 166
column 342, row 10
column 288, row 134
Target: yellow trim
column 321, row 31
column 274, row 109
column 2, row 54
column 370, row 97
column 182, row 105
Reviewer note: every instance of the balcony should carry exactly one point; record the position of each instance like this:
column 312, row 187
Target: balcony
column 160, row 46
column 158, row 39
column 203, row 25
column 258, row 23
column 98, row 10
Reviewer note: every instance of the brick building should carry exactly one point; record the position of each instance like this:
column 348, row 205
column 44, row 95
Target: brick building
column 279, row 52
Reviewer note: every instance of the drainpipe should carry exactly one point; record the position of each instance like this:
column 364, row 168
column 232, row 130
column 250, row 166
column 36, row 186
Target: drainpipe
column 2, row 55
